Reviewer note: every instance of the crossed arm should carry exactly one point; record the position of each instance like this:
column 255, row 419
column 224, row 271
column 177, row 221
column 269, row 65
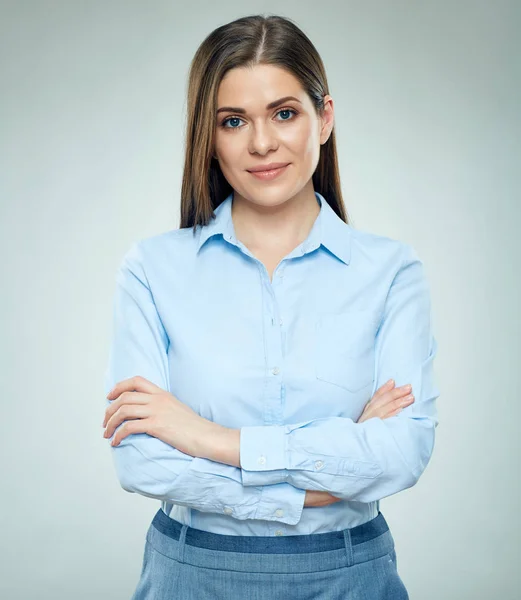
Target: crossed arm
column 257, row 469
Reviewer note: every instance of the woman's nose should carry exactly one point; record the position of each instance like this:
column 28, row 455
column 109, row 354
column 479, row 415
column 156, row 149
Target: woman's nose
column 262, row 139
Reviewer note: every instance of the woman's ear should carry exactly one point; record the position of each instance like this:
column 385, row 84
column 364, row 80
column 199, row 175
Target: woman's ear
column 327, row 120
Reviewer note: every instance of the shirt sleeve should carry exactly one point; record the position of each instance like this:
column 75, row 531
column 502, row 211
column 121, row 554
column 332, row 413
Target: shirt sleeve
column 151, row 467
column 364, row 461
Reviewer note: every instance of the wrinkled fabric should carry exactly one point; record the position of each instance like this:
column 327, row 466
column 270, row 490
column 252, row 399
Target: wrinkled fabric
column 290, row 361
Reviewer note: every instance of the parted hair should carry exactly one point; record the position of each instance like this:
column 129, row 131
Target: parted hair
column 246, row 42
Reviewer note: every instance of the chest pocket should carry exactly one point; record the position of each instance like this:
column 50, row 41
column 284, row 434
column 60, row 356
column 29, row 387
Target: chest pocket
column 344, row 349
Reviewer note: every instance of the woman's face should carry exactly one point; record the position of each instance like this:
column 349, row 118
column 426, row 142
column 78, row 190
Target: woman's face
column 249, row 134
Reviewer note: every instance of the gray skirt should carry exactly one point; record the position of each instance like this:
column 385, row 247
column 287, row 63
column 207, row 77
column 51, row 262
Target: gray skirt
column 184, row 563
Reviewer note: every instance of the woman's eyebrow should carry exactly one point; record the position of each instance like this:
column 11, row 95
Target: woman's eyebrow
column 273, row 104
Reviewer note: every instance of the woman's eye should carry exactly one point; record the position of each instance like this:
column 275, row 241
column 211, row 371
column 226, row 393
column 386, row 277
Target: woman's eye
column 287, row 110
column 229, row 120
column 232, row 120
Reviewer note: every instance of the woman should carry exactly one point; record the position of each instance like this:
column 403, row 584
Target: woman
column 256, row 349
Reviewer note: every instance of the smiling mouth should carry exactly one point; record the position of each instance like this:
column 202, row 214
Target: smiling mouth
column 268, row 175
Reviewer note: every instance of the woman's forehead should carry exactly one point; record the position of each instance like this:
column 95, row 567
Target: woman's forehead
column 258, row 86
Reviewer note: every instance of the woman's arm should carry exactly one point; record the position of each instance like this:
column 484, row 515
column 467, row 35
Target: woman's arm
column 370, row 460
column 147, row 465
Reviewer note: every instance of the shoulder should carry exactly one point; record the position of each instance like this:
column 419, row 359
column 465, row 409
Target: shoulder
column 181, row 240
column 153, row 259
column 174, row 244
column 381, row 249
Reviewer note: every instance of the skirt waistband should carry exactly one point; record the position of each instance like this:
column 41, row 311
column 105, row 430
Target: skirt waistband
column 289, row 555
column 290, row 544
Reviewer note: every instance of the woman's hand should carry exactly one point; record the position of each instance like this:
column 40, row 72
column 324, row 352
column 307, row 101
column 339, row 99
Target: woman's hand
column 140, row 406
column 144, row 407
column 386, row 402
column 315, row 498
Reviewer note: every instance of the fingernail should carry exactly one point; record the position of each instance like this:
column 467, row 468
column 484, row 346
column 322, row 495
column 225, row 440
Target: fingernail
column 407, row 388
column 391, row 381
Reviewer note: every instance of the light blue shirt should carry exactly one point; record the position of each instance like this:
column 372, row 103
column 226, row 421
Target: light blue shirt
column 290, row 362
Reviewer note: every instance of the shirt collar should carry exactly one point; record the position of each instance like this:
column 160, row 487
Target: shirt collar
column 328, row 229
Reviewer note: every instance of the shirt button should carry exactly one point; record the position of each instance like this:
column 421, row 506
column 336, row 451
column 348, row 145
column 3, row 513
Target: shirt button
column 261, row 460
column 318, row 464
column 228, row 510
column 279, row 532
column 280, row 321
column 279, row 512
column 275, row 371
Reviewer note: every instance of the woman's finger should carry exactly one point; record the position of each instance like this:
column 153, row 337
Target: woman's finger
column 126, row 412
column 400, row 403
column 388, row 385
column 391, row 395
column 130, row 427
column 137, row 384
column 125, row 398
column 395, row 406
column 405, row 401
column 387, row 403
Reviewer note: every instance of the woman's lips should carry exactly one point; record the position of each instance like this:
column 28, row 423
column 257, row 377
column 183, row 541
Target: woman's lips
column 268, row 175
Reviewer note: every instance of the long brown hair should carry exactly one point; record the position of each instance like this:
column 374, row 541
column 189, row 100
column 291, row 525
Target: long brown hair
column 246, row 42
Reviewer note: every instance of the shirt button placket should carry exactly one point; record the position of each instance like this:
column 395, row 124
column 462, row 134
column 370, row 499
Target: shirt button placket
column 273, row 391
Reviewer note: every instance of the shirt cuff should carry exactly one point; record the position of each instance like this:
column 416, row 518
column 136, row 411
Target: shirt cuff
column 263, row 447
column 281, row 502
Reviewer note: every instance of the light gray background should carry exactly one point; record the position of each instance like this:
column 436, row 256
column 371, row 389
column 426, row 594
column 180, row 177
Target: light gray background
column 427, row 98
